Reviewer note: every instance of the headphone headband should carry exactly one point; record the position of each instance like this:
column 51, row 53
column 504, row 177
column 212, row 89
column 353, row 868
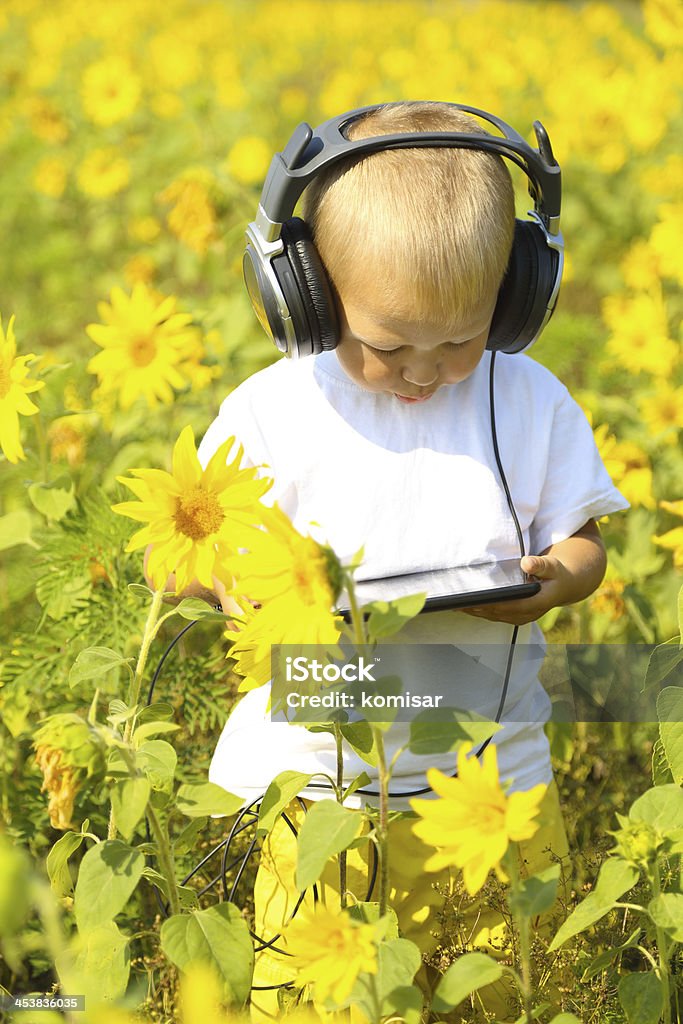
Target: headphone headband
column 288, row 285
column 309, row 150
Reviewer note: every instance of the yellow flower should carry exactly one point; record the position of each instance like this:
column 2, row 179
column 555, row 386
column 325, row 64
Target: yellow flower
column 248, row 160
column 197, row 518
column 45, row 120
column 475, row 820
column 15, row 386
column 665, row 239
column 103, row 173
column 67, row 750
column 146, row 346
column 144, row 229
column 110, row 90
column 193, row 217
column 635, row 478
column 607, row 599
column 67, row 438
column 662, row 411
column 330, row 950
column 639, row 333
column 672, row 539
column 139, row 268
column 49, row 177
column 295, row 581
column 606, row 444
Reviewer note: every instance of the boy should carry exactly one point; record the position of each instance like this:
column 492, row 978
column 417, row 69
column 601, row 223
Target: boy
column 385, row 442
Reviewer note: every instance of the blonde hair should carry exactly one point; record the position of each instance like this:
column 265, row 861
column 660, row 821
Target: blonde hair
column 431, row 228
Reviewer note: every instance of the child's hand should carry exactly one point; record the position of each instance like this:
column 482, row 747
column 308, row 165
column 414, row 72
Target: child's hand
column 552, row 575
column 568, row 571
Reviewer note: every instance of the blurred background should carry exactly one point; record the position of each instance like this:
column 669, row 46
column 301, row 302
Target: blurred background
column 135, row 138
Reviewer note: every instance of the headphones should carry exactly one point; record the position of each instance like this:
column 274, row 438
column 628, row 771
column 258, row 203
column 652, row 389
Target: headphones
column 287, row 282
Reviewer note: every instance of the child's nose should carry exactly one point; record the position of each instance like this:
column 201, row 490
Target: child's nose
column 421, row 371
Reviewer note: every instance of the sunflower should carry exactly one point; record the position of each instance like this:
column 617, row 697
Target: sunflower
column 146, row 346
column 111, row 90
column 15, row 386
column 197, row 518
column 295, row 582
column 475, row 820
column 330, row 950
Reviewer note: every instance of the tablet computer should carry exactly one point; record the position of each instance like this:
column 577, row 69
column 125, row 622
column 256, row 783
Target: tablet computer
column 456, row 587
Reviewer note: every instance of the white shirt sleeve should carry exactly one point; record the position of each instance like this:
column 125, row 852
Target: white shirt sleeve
column 577, row 487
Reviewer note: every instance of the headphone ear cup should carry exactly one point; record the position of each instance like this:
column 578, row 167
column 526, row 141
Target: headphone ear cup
column 314, row 288
column 525, row 293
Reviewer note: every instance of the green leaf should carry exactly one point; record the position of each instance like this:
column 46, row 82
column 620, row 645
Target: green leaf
column 157, row 712
column 398, row 961
column 15, row 528
column 565, row 1018
column 616, row 877
column 327, row 829
column 641, row 997
column 368, row 913
column 57, row 863
column 218, row 936
column 96, row 965
column 661, row 773
column 140, row 590
column 95, row 662
column 388, row 617
column 129, row 800
column 666, row 910
column 536, row 894
column 360, row 738
column 358, row 783
column 466, row 975
column 147, row 729
column 194, row 609
column 680, row 615
column 199, row 799
column 53, row 500
column 662, row 662
column 661, row 807
column 438, row 730
column 670, row 714
column 158, row 761
column 405, row 1003
column 108, row 874
column 187, row 838
column 280, row 792
column 602, row 960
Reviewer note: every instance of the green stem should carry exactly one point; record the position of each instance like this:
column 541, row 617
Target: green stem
column 165, row 859
column 41, row 438
column 521, row 922
column 340, row 785
column 662, row 950
column 383, row 829
column 150, row 631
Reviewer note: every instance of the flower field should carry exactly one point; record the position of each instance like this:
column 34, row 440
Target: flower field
column 136, row 137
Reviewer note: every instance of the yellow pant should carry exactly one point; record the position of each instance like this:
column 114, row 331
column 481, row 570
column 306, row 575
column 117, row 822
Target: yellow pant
column 417, row 897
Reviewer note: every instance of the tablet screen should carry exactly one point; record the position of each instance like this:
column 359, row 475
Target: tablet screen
column 452, row 587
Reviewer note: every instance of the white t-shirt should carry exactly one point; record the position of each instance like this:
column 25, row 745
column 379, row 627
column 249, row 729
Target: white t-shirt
column 418, row 487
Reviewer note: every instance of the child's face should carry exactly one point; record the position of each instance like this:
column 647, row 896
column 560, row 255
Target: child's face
column 409, row 360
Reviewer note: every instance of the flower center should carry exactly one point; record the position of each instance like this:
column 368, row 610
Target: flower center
column 143, row 349
column 311, row 581
column 198, row 514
